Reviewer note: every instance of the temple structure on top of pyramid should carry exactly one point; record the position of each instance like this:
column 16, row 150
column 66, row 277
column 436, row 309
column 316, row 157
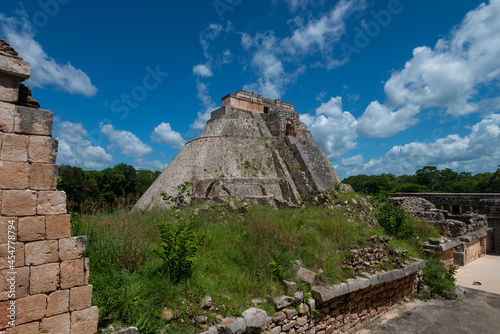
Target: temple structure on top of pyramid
column 252, row 149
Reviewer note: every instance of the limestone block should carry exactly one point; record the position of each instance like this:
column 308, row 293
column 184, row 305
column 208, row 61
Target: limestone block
column 42, row 149
column 51, row 203
column 43, row 176
column 84, row 321
column 232, row 326
column 22, row 279
column 9, row 87
column 4, row 228
column 80, row 298
column 326, row 293
column 59, row 324
column 255, row 318
column 33, row 121
column 14, row 148
column 31, row 228
column 31, row 328
column 7, row 117
column 72, row 273
column 86, row 270
column 306, row 275
column 57, row 303
column 15, row 67
column 14, row 175
column 57, row 226
column 44, row 278
column 282, row 302
column 4, row 255
column 18, row 203
column 41, row 252
column 72, row 248
column 30, row 308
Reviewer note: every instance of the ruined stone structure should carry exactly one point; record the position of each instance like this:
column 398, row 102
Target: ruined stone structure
column 462, row 203
column 468, row 235
column 43, row 277
column 253, row 149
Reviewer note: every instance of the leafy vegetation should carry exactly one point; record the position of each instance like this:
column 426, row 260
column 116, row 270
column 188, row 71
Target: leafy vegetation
column 91, row 191
column 396, row 221
column 427, row 179
column 182, row 198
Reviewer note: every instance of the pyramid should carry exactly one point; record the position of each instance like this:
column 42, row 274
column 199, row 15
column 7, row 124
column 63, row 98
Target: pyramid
column 252, row 149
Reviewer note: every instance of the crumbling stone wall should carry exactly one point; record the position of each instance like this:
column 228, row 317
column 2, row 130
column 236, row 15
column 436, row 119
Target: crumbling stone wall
column 43, row 277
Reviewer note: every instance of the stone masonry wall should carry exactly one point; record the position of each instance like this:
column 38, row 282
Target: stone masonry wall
column 43, row 277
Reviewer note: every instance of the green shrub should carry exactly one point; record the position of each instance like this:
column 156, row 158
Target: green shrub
column 179, row 246
column 437, row 277
column 181, row 199
column 396, row 221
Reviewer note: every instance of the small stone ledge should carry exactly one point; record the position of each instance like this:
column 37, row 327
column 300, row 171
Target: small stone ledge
column 444, row 246
column 323, row 294
column 476, row 235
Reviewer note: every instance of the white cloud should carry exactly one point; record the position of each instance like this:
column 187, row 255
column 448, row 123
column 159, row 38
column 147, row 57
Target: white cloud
column 379, row 121
column 271, row 56
column 202, row 70
column 450, row 74
column 333, row 129
column 208, row 106
column 296, row 4
column 149, row 165
column 477, row 152
column 75, row 150
column 164, row 134
column 44, row 69
column 129, row 144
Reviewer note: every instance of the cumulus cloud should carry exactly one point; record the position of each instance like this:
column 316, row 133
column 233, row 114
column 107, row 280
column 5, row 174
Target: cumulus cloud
column 333, row 129
column 450, row 74
column 45, row 70
column 76, row 150
column 379, row 121
column 164, row 134
column 128, row 143
column 479, row 151
column 149, row 165
column 202, row 70
column 296, row 4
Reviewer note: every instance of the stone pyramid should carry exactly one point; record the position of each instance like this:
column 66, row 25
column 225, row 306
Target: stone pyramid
column 252, row 149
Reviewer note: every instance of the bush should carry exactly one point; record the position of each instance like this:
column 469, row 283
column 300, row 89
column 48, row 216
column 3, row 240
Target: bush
column 179, row 247
column 181, row 199
column 396, row 221
column 437, row 277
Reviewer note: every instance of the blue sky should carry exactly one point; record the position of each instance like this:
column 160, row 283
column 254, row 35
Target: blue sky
column 385, row 86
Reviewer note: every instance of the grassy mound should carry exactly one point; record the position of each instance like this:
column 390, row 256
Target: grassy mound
column 243, row 253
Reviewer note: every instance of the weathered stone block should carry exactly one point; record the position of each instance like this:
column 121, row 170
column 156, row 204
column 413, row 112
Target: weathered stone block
column 72, row 248
column 32, row 121
column 58, row 302
column 41, row 252
column 14, row 148
column 59, row 324
column 42, row 149
column 58, row 226
column 9, row 88
column 51, row 203
column 7, row 117
column 31, row 228
column 14, row 175
column 18, row 247
column 31, row 328
column 282, row 302
column 84, row 321
column 44, row 278
column 326, row 293
column 232, row 326
column 86, row 270
column 43, row 176
column 30, row 308
column 4, row 228
column 306, row 275
column 72, row 273
column 15, row 67
column 22, row 279
column 80, row 298
column 18, row 203
column 255, row 318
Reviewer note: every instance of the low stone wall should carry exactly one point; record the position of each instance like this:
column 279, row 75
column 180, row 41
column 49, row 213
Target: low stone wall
column 340, row 308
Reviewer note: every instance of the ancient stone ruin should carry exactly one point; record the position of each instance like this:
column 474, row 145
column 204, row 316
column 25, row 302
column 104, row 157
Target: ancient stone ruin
column 43, row 277
column 253, row 149
column 467, row 236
